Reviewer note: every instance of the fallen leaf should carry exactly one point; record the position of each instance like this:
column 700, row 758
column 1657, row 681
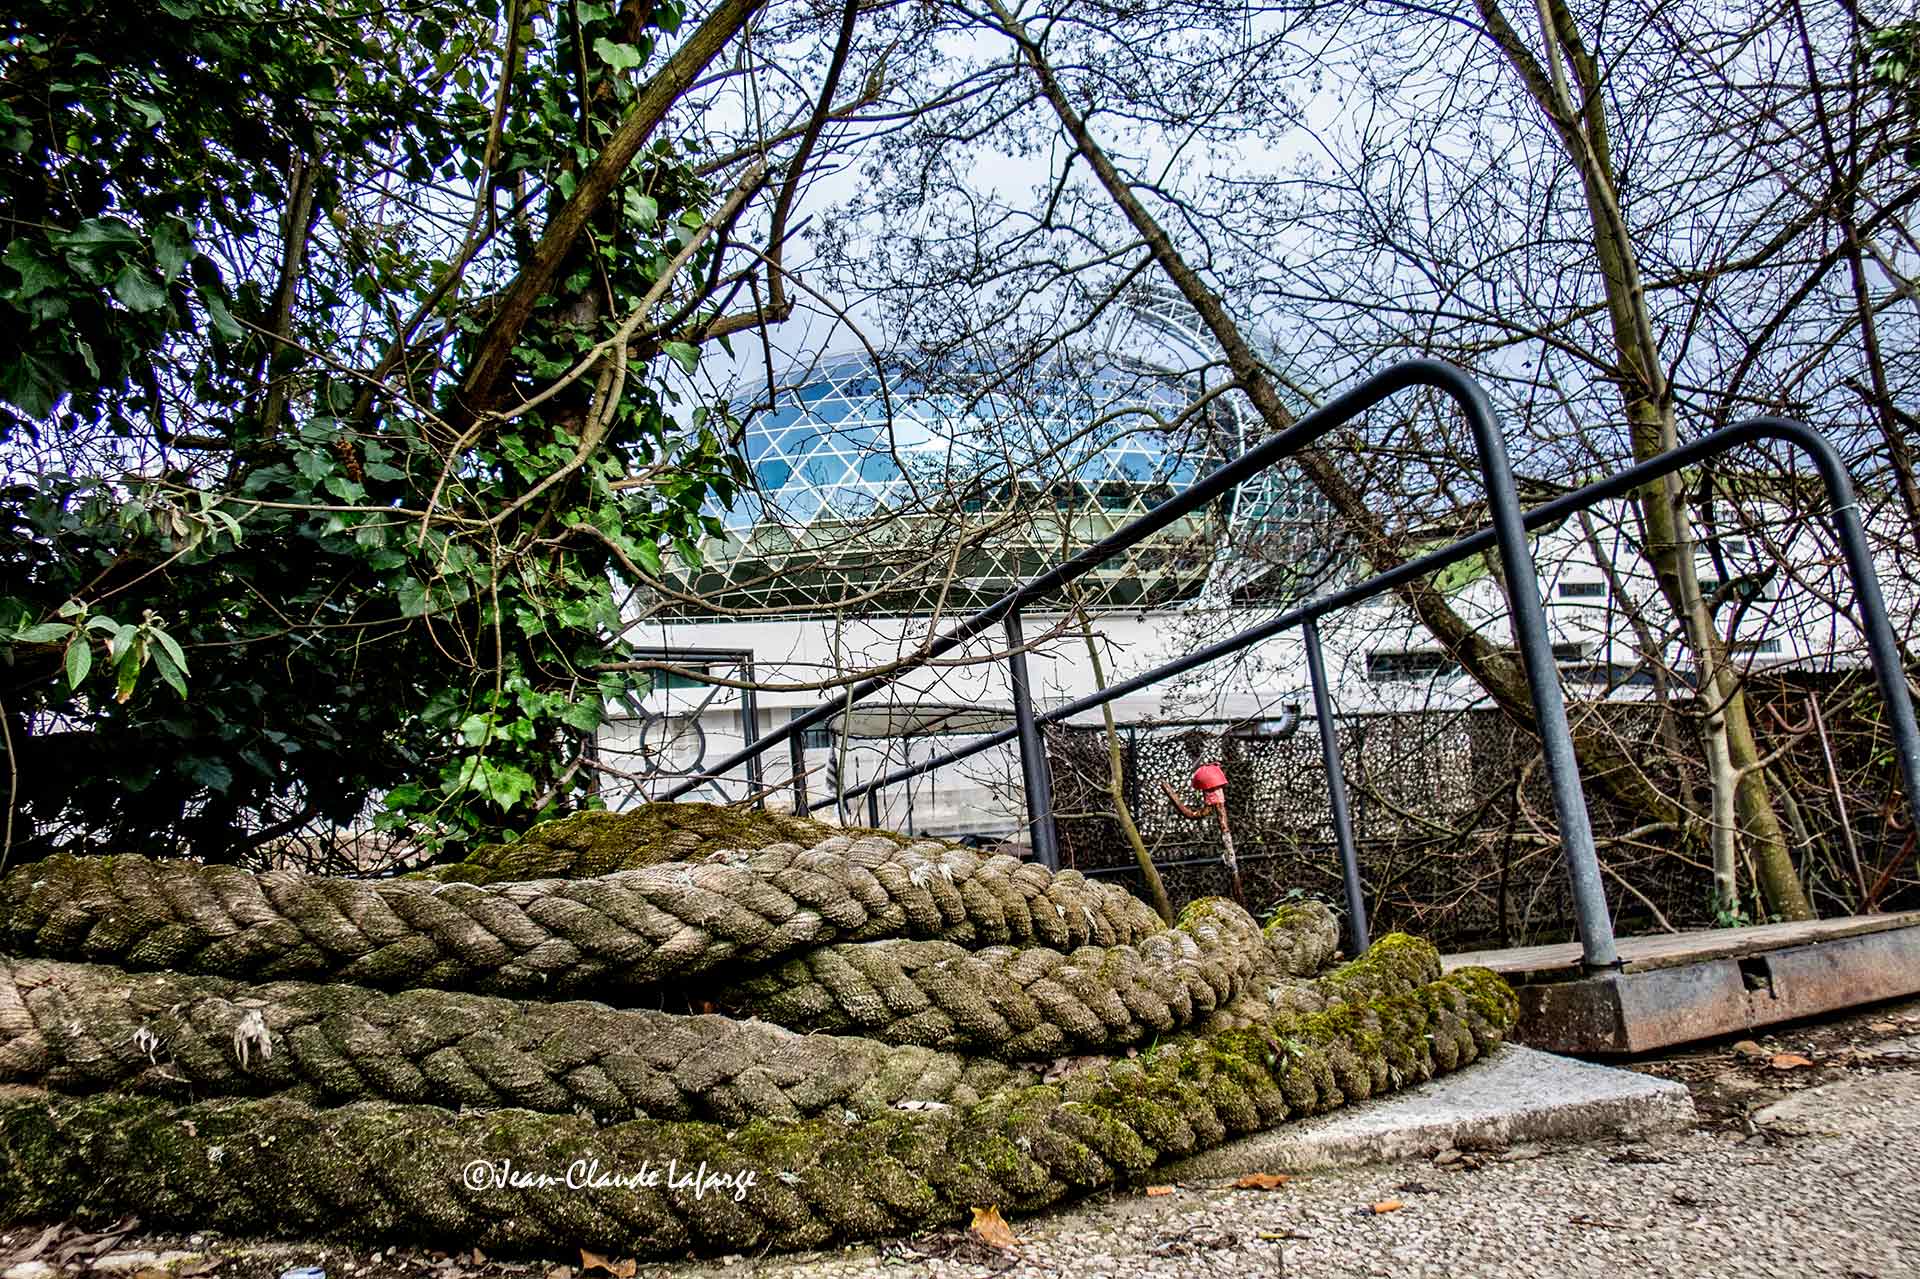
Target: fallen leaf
column 479, row 1258
column 990, row 1228
column 1262, row 1181
column 1747, row 1050
column 1788, row 1061
column 1386, row 1206
column 618, row 1269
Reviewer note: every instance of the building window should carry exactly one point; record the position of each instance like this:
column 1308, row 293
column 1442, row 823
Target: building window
column 672, row 679
column 1433, row 663
column 1419, row 663
column 1756, row 646
column 1755, row 588
column 816, row 738
column 1583, row 590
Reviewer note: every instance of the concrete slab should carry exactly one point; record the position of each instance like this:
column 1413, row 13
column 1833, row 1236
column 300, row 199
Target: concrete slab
column 1516, row 1096
column 1848, row 1105
column 1909, row 1046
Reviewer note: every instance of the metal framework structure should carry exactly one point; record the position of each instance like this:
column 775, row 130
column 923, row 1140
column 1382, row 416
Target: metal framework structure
column 861, row 476
column 1507, row 533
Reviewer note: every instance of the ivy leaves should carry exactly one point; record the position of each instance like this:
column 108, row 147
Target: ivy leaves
column 278, row 587
column 87, row 304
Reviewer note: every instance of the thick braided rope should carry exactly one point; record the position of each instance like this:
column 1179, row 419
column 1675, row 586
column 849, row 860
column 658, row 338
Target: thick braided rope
column 1015, row 1003
column 374, row 1171
column 1394, row 964
column 1301, row 937
column 619, row 933
column 79, row 1028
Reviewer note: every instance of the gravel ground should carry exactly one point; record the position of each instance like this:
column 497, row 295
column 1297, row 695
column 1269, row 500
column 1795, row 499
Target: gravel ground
column 1802, row 1165
column 1701, row 1203
column 1795, row 1170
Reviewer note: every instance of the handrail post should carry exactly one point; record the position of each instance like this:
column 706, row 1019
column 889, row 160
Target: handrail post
column 1033, row 750
column 1883, row 648
column 750, row 730
column 1357, row 933
column 1595, row 921
column 797, row 760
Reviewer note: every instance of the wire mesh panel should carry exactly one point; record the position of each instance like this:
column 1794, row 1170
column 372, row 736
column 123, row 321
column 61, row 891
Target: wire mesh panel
column 1454, row 823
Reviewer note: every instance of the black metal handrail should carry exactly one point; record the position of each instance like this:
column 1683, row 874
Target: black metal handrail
column 1507, row 532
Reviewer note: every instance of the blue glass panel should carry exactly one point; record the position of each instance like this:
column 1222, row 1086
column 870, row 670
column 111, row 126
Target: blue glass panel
column 795, row 505
column 824, row 468
column 764, row 429
column 797, row 441
column 772, row 475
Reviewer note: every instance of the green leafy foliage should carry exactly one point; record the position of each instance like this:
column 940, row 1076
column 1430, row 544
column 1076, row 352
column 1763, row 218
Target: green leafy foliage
column 252, row 573
column 1893, row 53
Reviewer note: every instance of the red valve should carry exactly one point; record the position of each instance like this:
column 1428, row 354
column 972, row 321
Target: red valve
column 1211, row 781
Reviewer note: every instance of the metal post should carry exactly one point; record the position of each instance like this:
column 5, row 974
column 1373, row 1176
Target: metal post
column 797, row 760
column 1130, row 774
column 749, row 730
column 1529, row 621
column 907, row 759
column 1357, row 933
column 836, row 783
column 873, row 808
column 1033, row 750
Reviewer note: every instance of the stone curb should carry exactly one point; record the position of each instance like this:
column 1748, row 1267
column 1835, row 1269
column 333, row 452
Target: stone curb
column 1518, row 1095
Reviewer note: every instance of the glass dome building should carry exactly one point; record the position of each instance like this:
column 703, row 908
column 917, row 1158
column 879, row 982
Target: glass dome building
column 888, row 491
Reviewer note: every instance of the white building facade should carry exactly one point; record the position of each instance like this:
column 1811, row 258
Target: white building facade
column 835, row 460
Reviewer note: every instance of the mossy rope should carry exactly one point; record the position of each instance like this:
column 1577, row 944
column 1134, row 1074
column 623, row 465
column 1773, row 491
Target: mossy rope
column 274, row 1052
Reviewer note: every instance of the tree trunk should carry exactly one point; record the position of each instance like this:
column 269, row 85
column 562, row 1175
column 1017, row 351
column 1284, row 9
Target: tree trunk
column 1117, row 781
column 1741, row 799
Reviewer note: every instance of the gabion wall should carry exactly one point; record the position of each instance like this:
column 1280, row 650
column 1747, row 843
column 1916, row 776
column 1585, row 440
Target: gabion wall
column 1454, row 822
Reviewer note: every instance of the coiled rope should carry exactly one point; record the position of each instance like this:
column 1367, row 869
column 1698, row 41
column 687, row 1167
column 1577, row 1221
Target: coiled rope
column 272, row 1053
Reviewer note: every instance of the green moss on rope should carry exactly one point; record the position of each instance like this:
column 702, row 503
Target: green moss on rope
column 589, row 844
column 472, row 1115
column 377, row 1171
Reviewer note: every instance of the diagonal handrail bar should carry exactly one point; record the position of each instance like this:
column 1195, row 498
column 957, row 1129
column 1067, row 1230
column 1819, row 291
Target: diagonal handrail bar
column 1520, row 582
column 1882, row 645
